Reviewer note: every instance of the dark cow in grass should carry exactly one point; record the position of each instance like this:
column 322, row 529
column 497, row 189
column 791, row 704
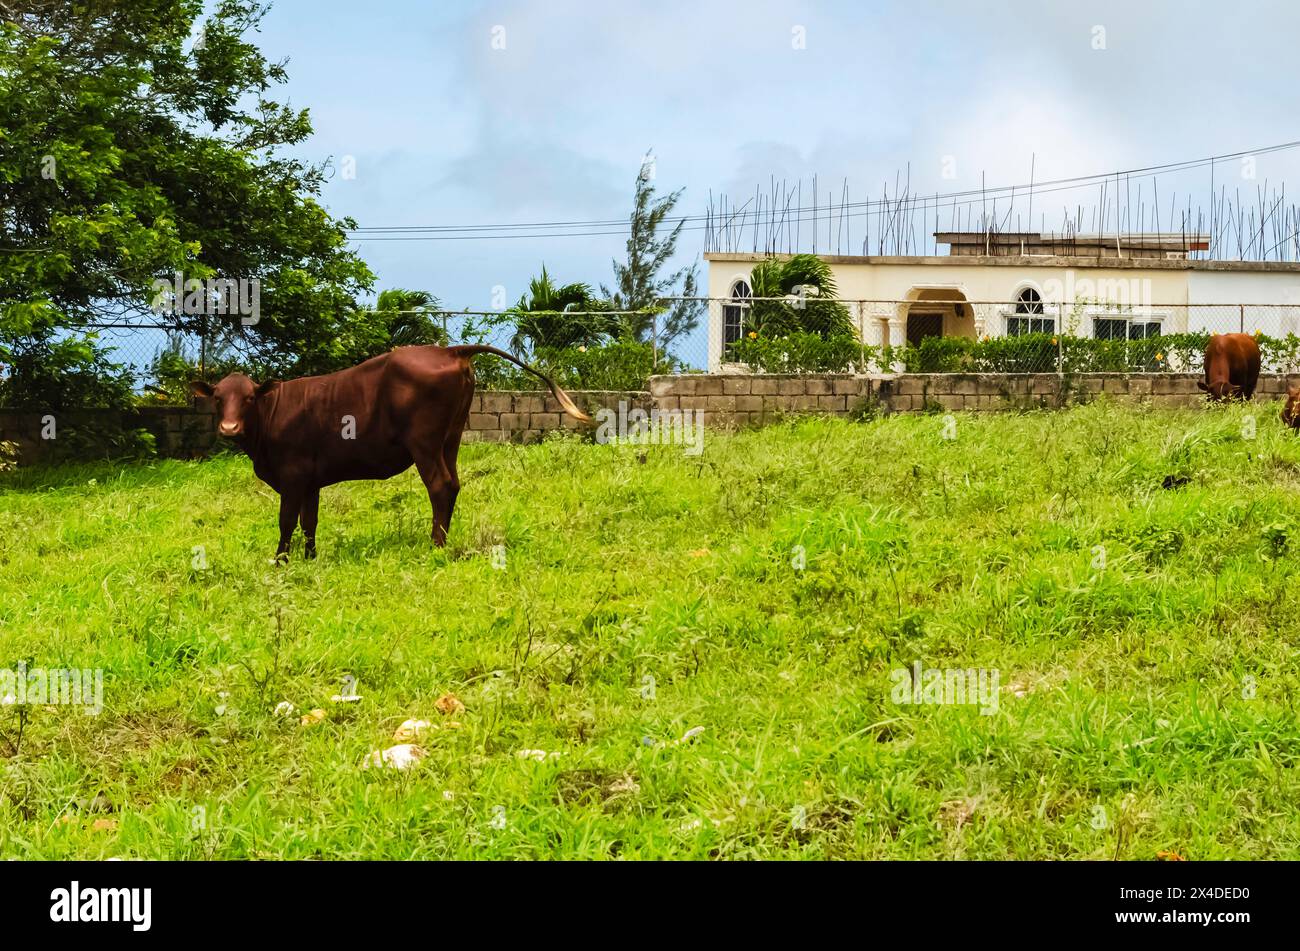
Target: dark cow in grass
column 1231, row 367
column 1291, row 409
column 370, row 421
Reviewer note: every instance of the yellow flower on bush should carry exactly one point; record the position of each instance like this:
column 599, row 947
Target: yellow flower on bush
column 1160, row 356
column 753, row 335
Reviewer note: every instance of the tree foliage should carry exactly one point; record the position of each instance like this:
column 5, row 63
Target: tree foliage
column 810, row 304
column 136, row 142
column 639, row 283
column 559, row 316
column 410, row 317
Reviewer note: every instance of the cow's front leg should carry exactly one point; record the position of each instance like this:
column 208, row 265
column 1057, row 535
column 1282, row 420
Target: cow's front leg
column 310, row 510
column 290, row 506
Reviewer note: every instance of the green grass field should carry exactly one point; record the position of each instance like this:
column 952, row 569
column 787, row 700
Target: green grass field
column 1145, row 642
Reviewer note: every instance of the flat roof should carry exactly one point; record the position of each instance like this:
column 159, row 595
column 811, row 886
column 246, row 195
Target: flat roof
column 1150, row 240
column 1026, row 260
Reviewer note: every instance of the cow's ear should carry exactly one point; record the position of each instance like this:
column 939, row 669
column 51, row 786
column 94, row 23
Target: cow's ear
column 1201, row 384
column 199, row 388
column 264, row 388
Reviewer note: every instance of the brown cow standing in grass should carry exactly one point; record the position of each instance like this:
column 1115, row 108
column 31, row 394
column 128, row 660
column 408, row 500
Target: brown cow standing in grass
column 1231, row 367
column 1291, row 408
column 370, row 421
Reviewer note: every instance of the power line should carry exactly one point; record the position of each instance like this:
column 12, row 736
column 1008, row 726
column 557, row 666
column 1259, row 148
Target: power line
column 598, row 227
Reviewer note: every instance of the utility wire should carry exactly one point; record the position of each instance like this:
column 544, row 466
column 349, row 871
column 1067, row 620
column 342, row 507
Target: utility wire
column 597, row 227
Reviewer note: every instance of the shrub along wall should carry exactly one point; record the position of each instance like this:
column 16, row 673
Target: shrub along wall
column 177, row 431
column 725, row 399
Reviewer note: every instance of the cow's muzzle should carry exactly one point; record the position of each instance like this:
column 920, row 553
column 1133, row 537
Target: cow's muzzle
column 230, row 430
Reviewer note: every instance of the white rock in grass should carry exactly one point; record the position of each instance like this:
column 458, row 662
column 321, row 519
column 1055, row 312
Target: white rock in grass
column 411, row 729
column 540, row 756
column 691, row 734
column 402, row 756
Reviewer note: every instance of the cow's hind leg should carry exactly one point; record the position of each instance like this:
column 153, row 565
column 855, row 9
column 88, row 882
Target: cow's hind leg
column 290, row 506
column 438, row 483
column 450, row 450
column 307, row 518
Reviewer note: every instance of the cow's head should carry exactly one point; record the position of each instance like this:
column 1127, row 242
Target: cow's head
column 1291, row 408
column 1222, row 390
column 236, row 397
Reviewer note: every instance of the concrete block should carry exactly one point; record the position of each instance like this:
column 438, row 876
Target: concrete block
column 911, row 385
column 664, row 385
column 735, row 385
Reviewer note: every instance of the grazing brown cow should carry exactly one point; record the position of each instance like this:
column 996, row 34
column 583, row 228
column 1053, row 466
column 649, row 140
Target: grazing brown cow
column 1291, row 409
column 370, row 421
column 1231, row 366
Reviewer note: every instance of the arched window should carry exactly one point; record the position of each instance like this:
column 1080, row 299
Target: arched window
column 735, row 313
column 1029, row 302
column 1028, row 316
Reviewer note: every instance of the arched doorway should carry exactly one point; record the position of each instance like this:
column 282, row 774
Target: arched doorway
column 938, row 312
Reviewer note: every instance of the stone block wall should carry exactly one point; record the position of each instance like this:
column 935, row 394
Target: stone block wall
column 725, row 399
column 743, row 400
column 523, row 416
column 178, row 431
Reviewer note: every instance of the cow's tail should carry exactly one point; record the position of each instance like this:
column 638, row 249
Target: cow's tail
column 565, row 401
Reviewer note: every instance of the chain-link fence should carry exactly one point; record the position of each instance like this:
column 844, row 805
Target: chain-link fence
column 620, row 349
column 949, row 335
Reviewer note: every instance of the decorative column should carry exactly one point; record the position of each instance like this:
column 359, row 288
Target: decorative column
column 897, row 337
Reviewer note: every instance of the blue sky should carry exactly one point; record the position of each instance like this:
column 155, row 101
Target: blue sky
column 446, row 129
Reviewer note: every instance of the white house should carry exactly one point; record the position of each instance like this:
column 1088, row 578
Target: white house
column 1127, row 286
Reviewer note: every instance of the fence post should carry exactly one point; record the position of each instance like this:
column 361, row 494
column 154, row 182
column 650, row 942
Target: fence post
column 654, row 342
column 1060, row 343
column 203, row 347
column 1241, row 318
column 862, row 337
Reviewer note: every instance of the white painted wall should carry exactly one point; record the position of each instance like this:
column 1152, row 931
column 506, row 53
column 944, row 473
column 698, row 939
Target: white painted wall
column 1167, row 291
column 1244, row 301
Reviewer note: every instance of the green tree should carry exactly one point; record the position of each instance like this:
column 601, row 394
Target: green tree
column 411, row 317
column 809, row 305
column 131, row 150
column 639, row 283
column 554, row 316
